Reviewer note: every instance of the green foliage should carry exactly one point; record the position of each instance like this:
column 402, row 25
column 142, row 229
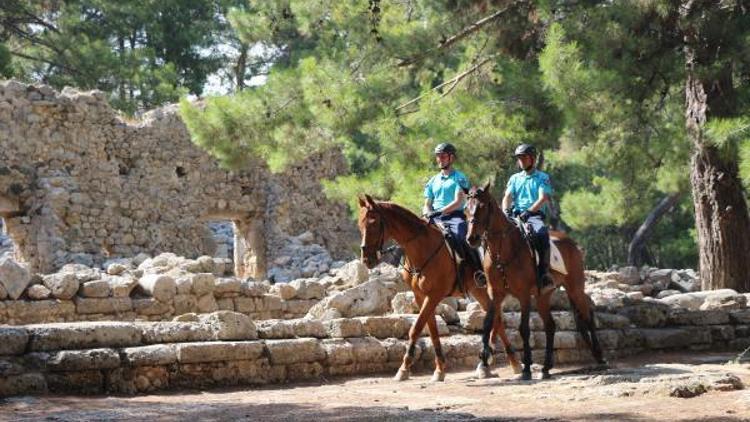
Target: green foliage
column 5, row 62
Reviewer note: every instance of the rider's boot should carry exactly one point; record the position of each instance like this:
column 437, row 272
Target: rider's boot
column 479, row 276
column 544, row 280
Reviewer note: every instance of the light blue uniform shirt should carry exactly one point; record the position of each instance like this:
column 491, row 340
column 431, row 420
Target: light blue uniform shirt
column 442, row 189
column 524, row 188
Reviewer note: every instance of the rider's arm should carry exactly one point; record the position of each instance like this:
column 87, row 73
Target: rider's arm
column 456, row 204
column 507, row 200
column 427, row 208
column 543, row 197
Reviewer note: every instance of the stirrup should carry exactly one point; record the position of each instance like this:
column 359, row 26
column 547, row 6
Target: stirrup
column 480, row 278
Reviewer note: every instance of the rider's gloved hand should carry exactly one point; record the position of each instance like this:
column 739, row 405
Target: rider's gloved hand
column 524, row 215
column 509, row 212
column 432, row 214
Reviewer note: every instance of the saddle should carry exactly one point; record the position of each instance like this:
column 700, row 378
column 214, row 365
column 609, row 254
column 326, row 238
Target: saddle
column 459, row 251
column 556, row 262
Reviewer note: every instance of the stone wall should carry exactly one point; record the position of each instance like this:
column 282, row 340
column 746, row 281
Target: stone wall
column 79, row 183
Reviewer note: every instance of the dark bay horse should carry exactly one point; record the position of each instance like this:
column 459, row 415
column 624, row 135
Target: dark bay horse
column 430, row 272
column 511, row 269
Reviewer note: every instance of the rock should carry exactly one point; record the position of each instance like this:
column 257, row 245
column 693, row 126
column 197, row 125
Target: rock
column 14, row 277
column 62, row 285
column 38, row 292
column 253, row 289
column 82, row 360
column 634, row 296
column 3, row 292
column 229, row 325
column 285, row 352
column 103, row 306
column 284, row 290
column 609, row 298
column 404, row 303
column 344, row 327
column 207, row 303
column 353, row 273
column 449, row 314
column 665, row 293
column 155, row 355
column 150, row 306
column 121, row 286
column 630, row 275
column 96, row 288
column 82, row 335
column 308, row 289
column 159, row 286
column 370, row 298
column 227, row 287
column 218, row 351
column 646, row 314
column 14, row 340
column 725, row 299
column 116, row 268
column 203, row 283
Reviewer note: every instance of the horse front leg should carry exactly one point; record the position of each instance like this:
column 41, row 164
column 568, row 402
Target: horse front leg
column 426, row 311
column 525, row 331
column 439, row 374
column 543, row 307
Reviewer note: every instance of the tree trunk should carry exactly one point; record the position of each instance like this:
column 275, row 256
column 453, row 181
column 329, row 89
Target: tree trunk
column 721, row 216
column 636, row 252
column 240, row 68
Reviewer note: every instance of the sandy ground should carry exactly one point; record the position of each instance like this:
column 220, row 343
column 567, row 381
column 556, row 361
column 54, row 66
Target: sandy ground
column 633, row 389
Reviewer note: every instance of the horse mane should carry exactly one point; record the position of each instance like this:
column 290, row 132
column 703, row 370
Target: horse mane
column 402, row 212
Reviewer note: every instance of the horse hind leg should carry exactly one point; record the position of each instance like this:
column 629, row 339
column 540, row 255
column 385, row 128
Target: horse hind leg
column 439, row 374
column 543, row 307
column 583, row 311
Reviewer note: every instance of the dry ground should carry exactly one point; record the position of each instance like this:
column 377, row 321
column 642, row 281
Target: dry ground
column 633, row 389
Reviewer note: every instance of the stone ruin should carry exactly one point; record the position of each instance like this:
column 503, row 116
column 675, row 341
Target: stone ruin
column 81, row 184
column 114, row 286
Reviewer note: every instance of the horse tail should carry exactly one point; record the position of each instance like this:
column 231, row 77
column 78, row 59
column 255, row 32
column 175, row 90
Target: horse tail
column 578, row 317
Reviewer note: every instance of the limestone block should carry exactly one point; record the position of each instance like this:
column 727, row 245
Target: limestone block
column 646, row 314
column 38, row 292
column 666, row 337
column 308, row 328
column 740, row 316
column 207, row 303
column 686, row 317
column 724, row 300
column 184, row 304
column 229, row 325
column 721, row 333
column 284, row 290
column 218, row 351
column 308, row 289
column 96, row 288
column 30, row 383
column 298, row 307
column 605, row 320
column 472, row 321
column 370, row 298
column 80, row 335
column 78, row 382
column 284, row 352
column 103, row 306
column 122, row 286
column 353, row 273
column 245, row 305
column 13, row 340
column 404, row 303
column 271, row 303
column 253, row 289
column 686, row 301
column 62, row 285
column 150, row 306
column 460, row 346
column 227, row 287
column 159, row 286
column 203, row 283
column 338, row 352
column 14, row 277
column 304, row 371
column 158, row 354
column 184, row 285
column 449, row 314
column 344, row 327
column 28, row 312
column 116, row 268
column 225, row 304
column 81, row 360
column 368, row 350
column 275, row 329
column 3, row 292
column 174, row 332
column 386, row 326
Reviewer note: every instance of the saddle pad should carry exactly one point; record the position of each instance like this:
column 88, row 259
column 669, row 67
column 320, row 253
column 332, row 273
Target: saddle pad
column 555, row 258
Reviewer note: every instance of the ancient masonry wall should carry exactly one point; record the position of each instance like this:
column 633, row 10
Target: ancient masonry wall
column 78, row 183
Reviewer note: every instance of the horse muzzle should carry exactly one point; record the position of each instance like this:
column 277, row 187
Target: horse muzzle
column 473, row 240
column 370, row 259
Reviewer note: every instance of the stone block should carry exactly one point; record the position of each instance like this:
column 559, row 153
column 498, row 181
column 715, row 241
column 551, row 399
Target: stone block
column 298, row 307
column 225, row 304
column 30, row 312
column 150, row 306
column 207, row 303
column 253, row 289
column 110, row 305
column 38, row 292
column 245, row 305
column 338, row 352
column 304, row 371
column 308, row 328
column 722, row 333
column 175, row 332
column 666, row 338
column 218, row 351
column 14, row 277
column 368, row 350
column 83, row 360
column 81, row 335
column 308, row 289
column 275, row 329
column 612, row 321
column 344, row 327
column 96, row 288
column 284, row 352
column 184, row 304
column 159, row 286
column 229, row 325
column 741, row 316
column 13, row 340
column 386, row 326
column 79, row 382
column 687, row 317
column 158, row 354
column 203, row 283
column 22, row 384
column 227, row 287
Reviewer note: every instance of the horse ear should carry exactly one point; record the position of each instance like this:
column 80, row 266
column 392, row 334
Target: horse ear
column 369, row 200
column 362, row 203
column 486, row 186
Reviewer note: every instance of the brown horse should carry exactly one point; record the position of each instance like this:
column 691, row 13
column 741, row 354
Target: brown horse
column 511, row 268
column 429, row 270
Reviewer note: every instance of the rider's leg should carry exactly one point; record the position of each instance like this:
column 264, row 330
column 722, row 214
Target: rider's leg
column 470, row 254
column 541, row 243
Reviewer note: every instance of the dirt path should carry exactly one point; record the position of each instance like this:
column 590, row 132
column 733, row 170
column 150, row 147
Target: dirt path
column 634, row 389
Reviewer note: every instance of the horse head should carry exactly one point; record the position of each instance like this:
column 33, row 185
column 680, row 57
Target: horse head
column 372, row 227
column 478, row 213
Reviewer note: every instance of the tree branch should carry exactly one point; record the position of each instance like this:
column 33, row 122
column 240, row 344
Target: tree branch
column 474, row 27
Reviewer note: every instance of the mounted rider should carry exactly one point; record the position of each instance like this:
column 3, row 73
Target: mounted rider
column 526, row 197
column 445, row 195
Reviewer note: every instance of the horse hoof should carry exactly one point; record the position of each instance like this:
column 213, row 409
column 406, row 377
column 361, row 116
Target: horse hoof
column 516, row 367
column 546, row 375
column 401, row 375
column 438, row 376
column 483, row 371
column 526, row 376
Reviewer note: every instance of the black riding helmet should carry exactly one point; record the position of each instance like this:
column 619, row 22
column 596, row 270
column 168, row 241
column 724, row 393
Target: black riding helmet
column 445, row 148
column 525, row 149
